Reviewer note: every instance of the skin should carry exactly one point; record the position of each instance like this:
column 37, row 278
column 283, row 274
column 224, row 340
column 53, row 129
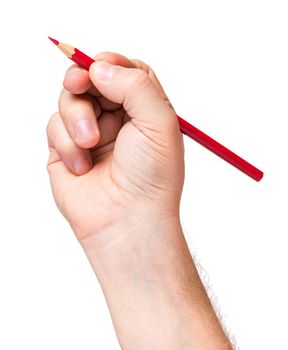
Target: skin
column 118, row 181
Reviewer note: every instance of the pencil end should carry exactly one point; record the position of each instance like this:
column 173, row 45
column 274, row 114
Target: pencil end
column 56, row 42
column 260, row 176
column 257, row 175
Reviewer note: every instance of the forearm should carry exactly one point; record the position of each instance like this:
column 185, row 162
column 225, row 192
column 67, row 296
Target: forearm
column 152, row 288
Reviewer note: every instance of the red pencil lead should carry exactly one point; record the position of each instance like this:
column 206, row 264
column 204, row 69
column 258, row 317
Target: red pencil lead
column 56, row 42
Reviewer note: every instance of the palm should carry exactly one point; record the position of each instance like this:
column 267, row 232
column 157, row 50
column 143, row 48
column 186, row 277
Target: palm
column 118, row 178
column 129, row 168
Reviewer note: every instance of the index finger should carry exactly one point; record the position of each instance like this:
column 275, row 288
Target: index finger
column 77, row 79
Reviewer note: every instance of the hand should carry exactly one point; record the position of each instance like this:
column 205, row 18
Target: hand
column 116, row 151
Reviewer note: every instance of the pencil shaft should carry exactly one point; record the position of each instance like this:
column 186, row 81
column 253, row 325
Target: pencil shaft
column 82, row 59
column 220, row 150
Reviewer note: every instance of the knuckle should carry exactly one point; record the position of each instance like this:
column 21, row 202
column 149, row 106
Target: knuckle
column 150, row 71
column 66, row 147
column 70, row 70
column 144, row 66
column 167, row 101
column 51, row 123
column 140, row 80
column 72, row 110
column 69, row 78
column 151, row 74
column 65, row 83
column 63, row 92
column 139, row 83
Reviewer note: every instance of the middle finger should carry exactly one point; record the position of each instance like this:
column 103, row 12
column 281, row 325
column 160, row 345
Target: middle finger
column 79, row 114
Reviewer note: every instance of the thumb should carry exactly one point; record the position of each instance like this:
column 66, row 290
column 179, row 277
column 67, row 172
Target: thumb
column 133, row 88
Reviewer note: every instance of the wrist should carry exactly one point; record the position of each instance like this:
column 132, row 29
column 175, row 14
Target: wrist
column 152, row 249
column 142, row 241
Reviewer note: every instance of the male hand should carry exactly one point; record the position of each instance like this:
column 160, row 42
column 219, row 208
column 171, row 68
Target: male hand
column 116, row 151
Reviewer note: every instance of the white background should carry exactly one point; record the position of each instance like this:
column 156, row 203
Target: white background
column 224, row 66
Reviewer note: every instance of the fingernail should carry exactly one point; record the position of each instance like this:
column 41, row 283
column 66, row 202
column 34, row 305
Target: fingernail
column 85, row 130
column 104, row 70
column 82, row 166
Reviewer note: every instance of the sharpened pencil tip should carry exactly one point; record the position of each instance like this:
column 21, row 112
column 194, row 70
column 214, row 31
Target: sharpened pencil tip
column 56, row 42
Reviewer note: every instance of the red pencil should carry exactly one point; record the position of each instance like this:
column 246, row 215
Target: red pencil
column 85, row 61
